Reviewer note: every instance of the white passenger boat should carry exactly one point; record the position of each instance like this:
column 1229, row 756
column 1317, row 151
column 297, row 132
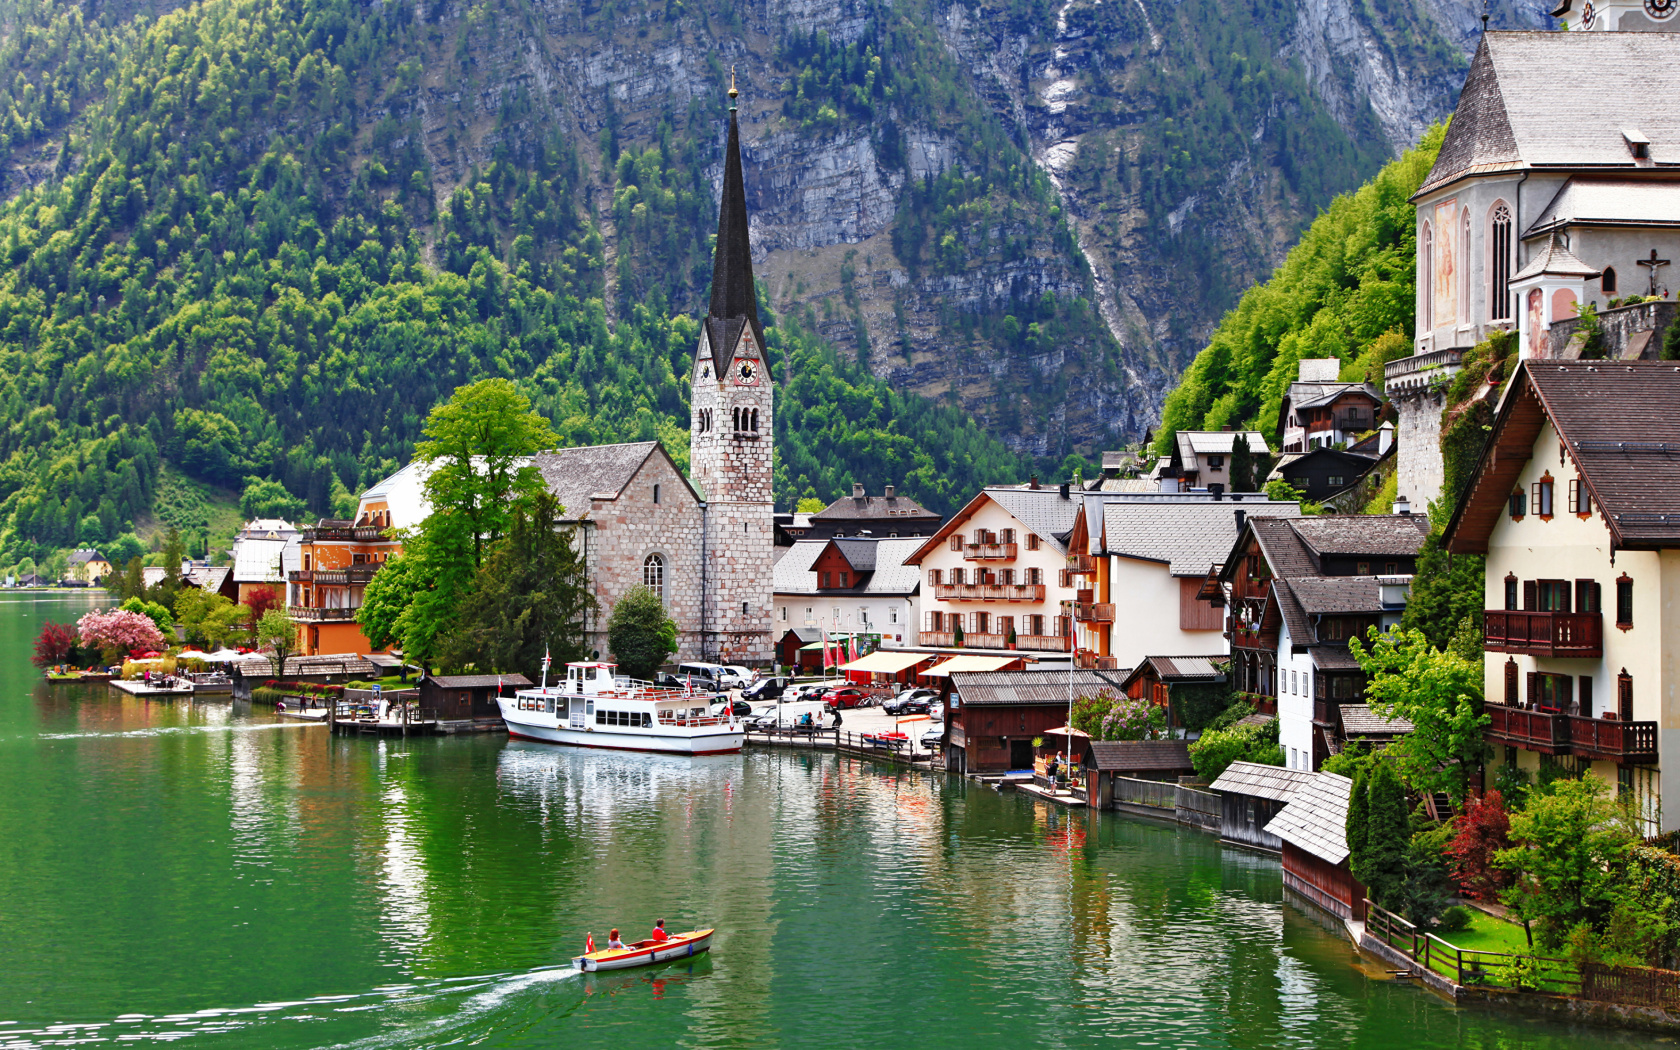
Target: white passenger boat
column 595, row 708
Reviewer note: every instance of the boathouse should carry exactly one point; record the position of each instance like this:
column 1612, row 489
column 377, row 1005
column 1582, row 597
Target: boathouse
column 1135, row 760
column 467, row 697
column 1313, row 829
column 1250, row 795
column 993, row 716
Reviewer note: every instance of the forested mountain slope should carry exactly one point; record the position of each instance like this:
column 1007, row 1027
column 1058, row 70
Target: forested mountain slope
column 264, row 236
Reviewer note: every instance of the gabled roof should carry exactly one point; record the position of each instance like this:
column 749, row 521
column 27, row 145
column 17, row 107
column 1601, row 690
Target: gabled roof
column 1332, row 595
column 1507, row 114
column 1141, row 756
column 1554, row 260
column 980, row 688
column 578, row 475
column 1187, row 536
column 1360, row 720
column 1590, row 201
column 479, row 681
column 1172, row 669
column 858, row 552
column 1252, row 778
column 1351, row 535
column 1313, row 395
column 1043, row 511
column 1219, row 442
column 1619, row 422
column 873, row 508
column 888, row 574
column 1315, row 820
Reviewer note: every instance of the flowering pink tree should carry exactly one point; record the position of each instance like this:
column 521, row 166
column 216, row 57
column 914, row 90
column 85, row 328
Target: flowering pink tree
column 1132, row 719
column 118, row 630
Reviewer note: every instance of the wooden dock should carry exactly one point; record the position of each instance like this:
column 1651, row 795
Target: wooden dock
column 843, row 742
column 1060, row 798
column 136, row 687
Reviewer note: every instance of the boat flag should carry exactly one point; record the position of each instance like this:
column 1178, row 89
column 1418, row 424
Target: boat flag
column 589, row 944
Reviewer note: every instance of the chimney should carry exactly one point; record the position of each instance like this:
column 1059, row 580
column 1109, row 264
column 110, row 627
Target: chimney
column 1218, row 490
column 1242, row 519
column 857, row 490
column 889, row 492
column 1385, row 438
column 1033, row 484
column 1226, row 429
column 1403, row 506
column 1064, row 490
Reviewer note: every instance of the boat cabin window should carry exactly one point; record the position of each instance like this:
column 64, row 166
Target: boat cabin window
column 640, row 719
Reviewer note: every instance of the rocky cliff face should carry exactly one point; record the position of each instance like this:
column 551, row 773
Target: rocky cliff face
column 1041, row 217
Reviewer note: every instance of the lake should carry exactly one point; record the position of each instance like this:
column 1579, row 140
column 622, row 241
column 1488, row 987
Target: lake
column 206, row 874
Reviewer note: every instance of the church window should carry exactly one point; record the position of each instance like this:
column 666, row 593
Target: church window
column 1426, row 276
column 656, row 493
column 754, row 426
column 653, row 574
column 1608, row 280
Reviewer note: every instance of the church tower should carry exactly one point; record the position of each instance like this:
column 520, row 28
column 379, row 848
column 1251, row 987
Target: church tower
column 730, row 439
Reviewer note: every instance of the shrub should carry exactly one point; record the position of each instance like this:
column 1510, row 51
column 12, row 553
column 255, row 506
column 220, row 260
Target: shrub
column 1216, row 749
column 1455, row 919
column 1480, row 832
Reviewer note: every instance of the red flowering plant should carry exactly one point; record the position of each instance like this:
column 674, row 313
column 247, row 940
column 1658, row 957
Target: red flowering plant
column 54, row 646
column 1480, row 832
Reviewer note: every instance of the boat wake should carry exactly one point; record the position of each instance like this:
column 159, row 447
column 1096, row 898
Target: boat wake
column 175, row 730
column 423, row 1013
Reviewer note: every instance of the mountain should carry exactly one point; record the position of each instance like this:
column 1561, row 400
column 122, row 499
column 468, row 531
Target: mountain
column 262, row 237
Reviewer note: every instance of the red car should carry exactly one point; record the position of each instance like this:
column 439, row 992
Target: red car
column 845, row 696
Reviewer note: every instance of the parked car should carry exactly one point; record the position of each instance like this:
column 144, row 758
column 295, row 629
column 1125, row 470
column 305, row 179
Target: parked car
column 933, row 739
column 741, row 708
column 766, row 689
column 916, row 690
column 704, row 676
column 936, row 710
column 845, row 696
column 808, row 691
column 745, row 676
column 910, row 703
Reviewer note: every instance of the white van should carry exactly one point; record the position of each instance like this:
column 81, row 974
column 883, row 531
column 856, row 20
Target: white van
column 707, row 676
column 788, row 716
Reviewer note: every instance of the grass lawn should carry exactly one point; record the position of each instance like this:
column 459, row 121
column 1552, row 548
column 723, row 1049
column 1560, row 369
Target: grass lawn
column 390, row 681
column 1488, row 934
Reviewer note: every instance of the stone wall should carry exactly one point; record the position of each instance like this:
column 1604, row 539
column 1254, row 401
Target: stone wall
column 1418, row 440
column 1624, row 331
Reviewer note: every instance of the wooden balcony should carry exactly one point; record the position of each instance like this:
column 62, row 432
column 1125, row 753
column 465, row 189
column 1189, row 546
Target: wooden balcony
column 1086, row 660
column 1043, row 643
column 969, row 641
column 947, row 638
column 1326, row 713
column 990, row 551
column 989, row 592
column 353, row 574
column 1243, row 638
column 1082, row 564
column 1531, row 730
column 309, row 615
column 1093, row 612
column 1262, row 704
column 1544, row 633
column 1625, row 743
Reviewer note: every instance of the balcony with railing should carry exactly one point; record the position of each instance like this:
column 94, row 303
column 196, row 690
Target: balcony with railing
column 1093, row 612
column 1421, row 370
column 1248, row 638
column 990, row 551
column 345, row 534
column 1532, row 730
column 1625, row 743
column 969, row 640
column 1086, row 660
column 1082, row 564
column 1044, row 643
column 345, row 577
column 1544, row 633
column 313, row 615
column 989, row 592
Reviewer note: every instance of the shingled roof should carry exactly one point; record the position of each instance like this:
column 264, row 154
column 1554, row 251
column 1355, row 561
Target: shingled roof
column 578, row 475
column 1363, row 534
column 1141, row 756
column 1507, row 115
column 1188, row 536
column 1618, row 419
column 1260, row 781
column 1359, row 720
column 1315, row 820
column 1610, row 202
column 979, row 688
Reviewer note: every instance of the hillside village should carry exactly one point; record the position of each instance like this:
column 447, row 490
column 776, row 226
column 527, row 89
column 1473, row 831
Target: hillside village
column 1251, row 609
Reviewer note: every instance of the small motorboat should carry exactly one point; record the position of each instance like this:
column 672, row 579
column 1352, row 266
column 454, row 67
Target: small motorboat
column 645, row 953
column 887, row 740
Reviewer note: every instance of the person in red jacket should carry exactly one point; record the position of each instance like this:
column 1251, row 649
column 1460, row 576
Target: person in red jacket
column 659, row 933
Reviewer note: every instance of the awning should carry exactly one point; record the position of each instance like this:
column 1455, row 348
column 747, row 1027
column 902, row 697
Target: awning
column 972, row 663
column 884, row 662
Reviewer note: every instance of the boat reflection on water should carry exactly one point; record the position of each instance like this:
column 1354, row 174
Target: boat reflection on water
column 659, row 979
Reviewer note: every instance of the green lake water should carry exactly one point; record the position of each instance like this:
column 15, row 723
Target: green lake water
column 207, row 875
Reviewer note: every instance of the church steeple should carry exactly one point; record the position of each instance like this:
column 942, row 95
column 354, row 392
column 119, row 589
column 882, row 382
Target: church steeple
column 734, row 298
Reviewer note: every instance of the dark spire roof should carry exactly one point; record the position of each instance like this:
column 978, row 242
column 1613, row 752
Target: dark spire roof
column 734, row 299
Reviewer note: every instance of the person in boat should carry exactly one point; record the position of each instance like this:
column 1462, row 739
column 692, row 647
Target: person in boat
column 659, row 935
column 613, row 941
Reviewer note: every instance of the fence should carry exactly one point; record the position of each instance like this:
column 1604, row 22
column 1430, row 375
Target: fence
column 1194, row 806
column 1185, row 804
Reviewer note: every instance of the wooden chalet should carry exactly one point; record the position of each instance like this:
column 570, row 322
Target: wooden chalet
column 1313, row 830
column 1134, row 759
column 1251, row 795
column 467, row 697
column 992, row 717
column 1171, row 681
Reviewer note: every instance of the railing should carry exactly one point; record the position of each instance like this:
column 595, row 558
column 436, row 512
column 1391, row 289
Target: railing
column 1093, row 612
column 990, row 551
column 1616, row 741
column 970, row 640
column 1050, row 643
column 983, row 641
column 306, row 613
column 350, row 574
column 1544, row 633
column 1421, row 368
column 352, row 534
column 1243, row 638
column 989, row 592
column 1086, row 660
column 1262, row 704
column 1082, row 564
column 1465, row 966
column 1541, row 731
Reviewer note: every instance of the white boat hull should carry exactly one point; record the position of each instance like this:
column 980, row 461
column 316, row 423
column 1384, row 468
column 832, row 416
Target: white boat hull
column 704, row 740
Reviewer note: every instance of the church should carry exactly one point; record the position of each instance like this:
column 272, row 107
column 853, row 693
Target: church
column 704, row 543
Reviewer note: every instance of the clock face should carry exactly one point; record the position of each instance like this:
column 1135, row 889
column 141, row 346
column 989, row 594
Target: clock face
column 1660, row 9
column 746, row 373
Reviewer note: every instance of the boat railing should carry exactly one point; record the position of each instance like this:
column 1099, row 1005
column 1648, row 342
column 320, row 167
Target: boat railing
column 667, row 718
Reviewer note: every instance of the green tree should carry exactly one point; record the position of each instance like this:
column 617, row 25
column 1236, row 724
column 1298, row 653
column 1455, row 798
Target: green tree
column 278, row 632
column 1446, row 590
column 134, row 579
column 1216, row 749
column 640, row 633
column 1242, row 465
column 478, row 446
column 811, row 505
column 1440, row 693
column 157, row 613
column 437, row 566
column 1570, row 845
column 1381, row 862
column 530, row 599
column 385, row 599
column 267, row 498
column 209, row 618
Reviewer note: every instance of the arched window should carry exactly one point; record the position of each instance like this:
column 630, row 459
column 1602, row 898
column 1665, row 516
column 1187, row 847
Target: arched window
column 1464, row 312
column 653, row 574
column 1499, row 262
column 1426, row 277
column 1608, row 280
column 755, row 420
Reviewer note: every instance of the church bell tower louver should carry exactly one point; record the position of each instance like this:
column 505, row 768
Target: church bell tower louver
column 731, row 447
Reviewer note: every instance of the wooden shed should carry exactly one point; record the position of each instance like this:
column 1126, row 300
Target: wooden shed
column 993, row 716
column 1313, row 828
column 467, row 697
column 1250, row 795
column 1135, row 759
column 1179, row 682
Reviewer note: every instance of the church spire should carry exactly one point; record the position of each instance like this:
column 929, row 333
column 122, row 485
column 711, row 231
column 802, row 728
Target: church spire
column 733, row 296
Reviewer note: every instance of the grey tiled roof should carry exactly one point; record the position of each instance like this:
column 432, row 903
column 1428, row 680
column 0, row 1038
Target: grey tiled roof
column 1030, row 687
column 793, row 573
column 1377, row 535
column 1308, row 395
column 1556, row 260
column 1315, row 820
column 1610, row 202
column 1252, row 778
column 1042, row 510
column 574, row 475
column 1507, row 115
column 873, row 508
column 1360, row 720
column 1330, row 595
column 887, row 574
column 1220, row 442
column 1189, row 536
column 1332, row 658
column 478, row 681
column 859, row 553
column 1141, row 756
column 82, row 557
column 1180, row 669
